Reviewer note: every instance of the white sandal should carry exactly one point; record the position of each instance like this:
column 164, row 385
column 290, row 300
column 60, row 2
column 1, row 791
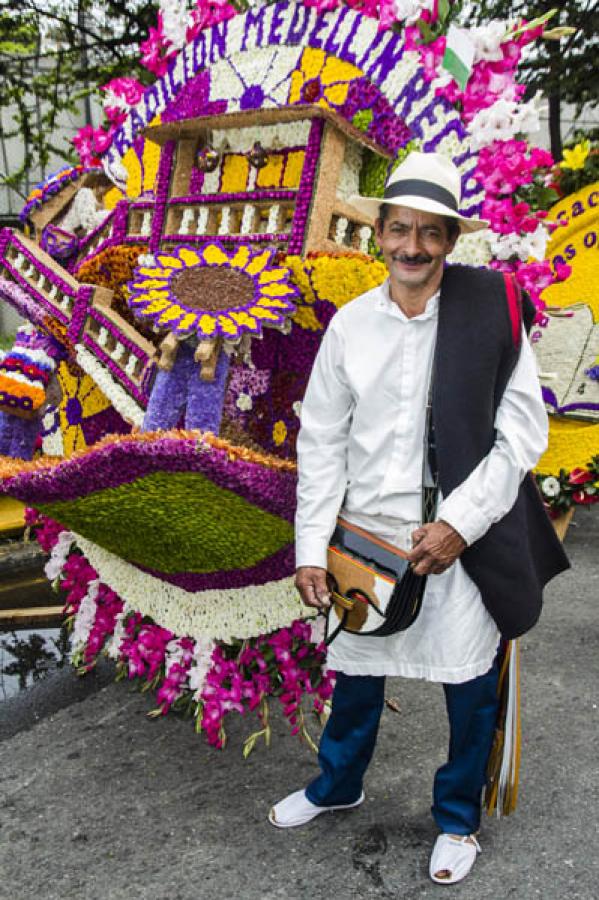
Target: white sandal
column 454, row 854
column 296, row 810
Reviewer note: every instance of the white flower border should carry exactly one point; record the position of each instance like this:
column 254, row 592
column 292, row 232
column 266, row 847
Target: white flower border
column 214, row 614
column 124, row 404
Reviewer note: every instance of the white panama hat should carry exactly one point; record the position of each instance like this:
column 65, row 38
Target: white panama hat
column 425, row 181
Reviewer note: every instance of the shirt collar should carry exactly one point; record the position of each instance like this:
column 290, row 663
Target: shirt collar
column 384, row 303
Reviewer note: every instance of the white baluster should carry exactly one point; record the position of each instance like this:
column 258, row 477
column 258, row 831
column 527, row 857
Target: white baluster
column 225, row 219
column 364, row 235
column 203, row 215
column 187, row 220
column 130, row 367
column 146, row 223
column 103, row 336
column 247, row 220
column 341, row 230
column 274, row 215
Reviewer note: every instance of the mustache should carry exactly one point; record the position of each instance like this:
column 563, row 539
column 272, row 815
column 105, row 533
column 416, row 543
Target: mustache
column 420, row 258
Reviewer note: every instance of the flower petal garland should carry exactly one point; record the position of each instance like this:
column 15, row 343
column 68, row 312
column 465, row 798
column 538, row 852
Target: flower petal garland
column 201, row 676
column 213, row 293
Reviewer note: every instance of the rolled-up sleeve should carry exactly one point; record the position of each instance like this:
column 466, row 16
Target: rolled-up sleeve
column 322, row 451
column 521, row 427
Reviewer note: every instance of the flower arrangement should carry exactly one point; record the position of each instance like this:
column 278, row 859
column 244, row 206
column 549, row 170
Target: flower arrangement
column 562, row 491
column 51, row 185
column 204, row 678
column 578, row 168
column 25, row 372
column 213, row 293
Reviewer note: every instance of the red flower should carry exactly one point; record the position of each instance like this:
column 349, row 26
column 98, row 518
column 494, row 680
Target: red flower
column 579, row 476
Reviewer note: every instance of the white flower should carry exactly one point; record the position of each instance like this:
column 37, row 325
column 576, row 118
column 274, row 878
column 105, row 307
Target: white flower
column 175, row 21
column 536, row 243
column 244, row 402
column 58, row 555
column 550, row 486
column 527, row 115
column 487, row 40
column 200, row 666
column 496, row 123
column 211, row 614
column 85, row 617
column 297, row 408
column 409, row 11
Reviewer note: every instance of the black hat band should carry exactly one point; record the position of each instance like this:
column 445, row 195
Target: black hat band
column 420, row 188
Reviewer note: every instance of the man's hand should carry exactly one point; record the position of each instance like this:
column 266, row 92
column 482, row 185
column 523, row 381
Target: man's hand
column 436, row 546
column 311, row 582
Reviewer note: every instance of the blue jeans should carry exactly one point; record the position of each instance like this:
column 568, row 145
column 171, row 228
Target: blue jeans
column 349, row 738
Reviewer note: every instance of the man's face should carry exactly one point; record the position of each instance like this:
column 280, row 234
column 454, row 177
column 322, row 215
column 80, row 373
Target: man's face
column 414, row 245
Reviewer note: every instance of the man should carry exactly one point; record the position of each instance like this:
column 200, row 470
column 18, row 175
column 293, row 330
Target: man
column 360, row 450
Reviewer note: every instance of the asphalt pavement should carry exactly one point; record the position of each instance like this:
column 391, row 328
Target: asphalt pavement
column 100, row 801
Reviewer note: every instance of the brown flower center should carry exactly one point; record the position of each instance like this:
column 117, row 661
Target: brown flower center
column 212, row 288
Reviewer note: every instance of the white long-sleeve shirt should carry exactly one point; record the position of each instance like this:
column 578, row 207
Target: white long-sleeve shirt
column 360, row 448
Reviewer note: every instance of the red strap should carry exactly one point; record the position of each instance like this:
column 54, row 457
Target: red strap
column 514, row 305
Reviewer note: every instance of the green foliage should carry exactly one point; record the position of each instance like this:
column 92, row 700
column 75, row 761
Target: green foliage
column 53, row 56
column 166, row 521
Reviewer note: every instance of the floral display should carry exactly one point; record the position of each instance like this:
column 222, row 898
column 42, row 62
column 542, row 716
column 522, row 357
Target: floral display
column 205, row 677
column 25, row 371
column 51, row 185
column 84, row 414
column 579, row 486
column 212, row 292
column 174, row 543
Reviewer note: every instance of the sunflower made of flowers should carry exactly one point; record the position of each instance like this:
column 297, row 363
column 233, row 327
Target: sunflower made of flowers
column 213, row 293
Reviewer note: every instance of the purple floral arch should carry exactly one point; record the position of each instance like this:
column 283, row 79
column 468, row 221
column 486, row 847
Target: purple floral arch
column 255, row 60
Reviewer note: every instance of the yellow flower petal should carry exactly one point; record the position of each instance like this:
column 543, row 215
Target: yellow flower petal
column 258, row 263
column 214, row 256
column 312, row 62
column 207, row 324
column 262, row 313
column 276, row 290
column 169, row 262
column 150, row 283
column 242, row 318
column 156, row 306
column 152, row 272
column 189, row 257
column 228, row 327
column 336, row 94
column 335, row 70
column 297, row 83
column 273, row 303
column 188, row 321
column 240, row 259
column 170, row 315
column 272, row 275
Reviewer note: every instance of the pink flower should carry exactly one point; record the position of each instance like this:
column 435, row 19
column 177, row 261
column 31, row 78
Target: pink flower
column 153, row 48
column 128, row 90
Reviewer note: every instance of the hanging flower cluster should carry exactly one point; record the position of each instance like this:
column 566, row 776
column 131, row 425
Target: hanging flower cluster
column 204, row 678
